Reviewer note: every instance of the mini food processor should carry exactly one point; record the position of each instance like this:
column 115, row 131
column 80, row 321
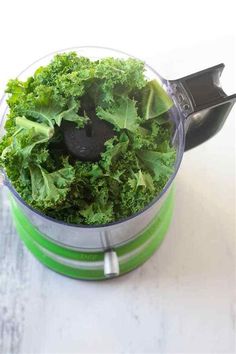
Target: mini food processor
column 105, row 251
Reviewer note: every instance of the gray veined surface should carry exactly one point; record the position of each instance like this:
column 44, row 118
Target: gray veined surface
column 13, row 293
column 1, row 179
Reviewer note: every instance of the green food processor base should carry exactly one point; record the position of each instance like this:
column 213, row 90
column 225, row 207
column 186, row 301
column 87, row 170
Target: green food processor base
column 90, row 265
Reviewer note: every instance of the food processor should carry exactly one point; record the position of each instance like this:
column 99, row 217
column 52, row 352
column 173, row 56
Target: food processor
column 98, row 252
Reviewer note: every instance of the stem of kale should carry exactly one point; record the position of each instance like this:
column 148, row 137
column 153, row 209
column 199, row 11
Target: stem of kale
column 40, row 128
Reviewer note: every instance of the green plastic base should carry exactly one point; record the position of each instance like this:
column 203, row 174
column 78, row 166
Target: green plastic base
column 82, row 265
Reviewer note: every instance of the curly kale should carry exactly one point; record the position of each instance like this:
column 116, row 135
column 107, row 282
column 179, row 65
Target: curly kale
column 135, row 164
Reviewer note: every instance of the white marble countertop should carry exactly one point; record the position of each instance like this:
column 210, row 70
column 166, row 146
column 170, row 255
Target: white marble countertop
column 183, row 299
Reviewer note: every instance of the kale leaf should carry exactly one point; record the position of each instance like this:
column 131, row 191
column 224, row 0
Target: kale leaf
column 135, row 164
column 123, row 115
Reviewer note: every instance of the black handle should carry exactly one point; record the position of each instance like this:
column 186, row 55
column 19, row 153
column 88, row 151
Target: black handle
column 203, row 103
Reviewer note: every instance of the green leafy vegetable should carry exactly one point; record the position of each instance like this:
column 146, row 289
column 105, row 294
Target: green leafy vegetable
column 159, row 163
column 122, row 116
column 135, row 164
column 155, row 101
column 141, row 179
column 49, row 189
column 39, row 128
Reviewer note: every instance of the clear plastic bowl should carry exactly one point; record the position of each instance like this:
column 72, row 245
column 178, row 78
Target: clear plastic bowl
column 98, row 237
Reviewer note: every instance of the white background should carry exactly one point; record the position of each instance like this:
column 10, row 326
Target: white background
column 183, row 299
